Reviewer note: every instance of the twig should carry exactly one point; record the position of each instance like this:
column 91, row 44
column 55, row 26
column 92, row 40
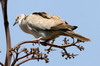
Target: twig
column 31, row 58
column 24, row 56
column 19, row 44
column 69, row 56
column 15, row 59
column 34, row 52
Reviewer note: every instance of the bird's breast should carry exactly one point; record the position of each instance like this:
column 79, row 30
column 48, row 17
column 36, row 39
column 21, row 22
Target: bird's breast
column 24, row 28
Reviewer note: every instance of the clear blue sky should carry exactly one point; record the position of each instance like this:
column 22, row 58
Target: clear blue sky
column 83, row 13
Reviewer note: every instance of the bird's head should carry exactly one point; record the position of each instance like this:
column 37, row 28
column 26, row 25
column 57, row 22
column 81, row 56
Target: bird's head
column 19, row 18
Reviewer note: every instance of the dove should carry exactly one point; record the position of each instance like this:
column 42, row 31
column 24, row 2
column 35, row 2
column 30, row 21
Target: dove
column 44, row 26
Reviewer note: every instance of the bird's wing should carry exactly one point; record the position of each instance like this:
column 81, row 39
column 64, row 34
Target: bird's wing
column 44, row 21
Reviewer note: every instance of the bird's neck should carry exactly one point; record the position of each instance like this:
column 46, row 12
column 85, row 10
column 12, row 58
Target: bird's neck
column 20, row 21
column 23, row 25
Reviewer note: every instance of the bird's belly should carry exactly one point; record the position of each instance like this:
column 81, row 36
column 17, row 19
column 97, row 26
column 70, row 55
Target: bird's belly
column 35, row 34
column 46, row 35
column 49, row 35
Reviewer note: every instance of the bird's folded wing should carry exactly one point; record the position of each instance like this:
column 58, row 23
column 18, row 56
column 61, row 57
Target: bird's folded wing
column 39, row 22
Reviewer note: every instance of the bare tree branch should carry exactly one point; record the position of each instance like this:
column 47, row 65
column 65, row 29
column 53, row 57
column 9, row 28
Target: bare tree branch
column 48, row 44
column 31, row 58
column 7, row 32
column 35, row 52
column 16, row 59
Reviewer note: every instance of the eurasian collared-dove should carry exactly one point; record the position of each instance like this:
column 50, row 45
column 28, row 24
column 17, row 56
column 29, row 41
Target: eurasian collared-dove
column 46, row 27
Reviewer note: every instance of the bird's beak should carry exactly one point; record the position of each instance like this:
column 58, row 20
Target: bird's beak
column 14, row 23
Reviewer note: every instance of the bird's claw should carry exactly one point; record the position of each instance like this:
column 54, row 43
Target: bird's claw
column 38, row 40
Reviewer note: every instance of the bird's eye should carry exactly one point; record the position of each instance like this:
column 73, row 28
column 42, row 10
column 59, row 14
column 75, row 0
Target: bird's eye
column 18, row 17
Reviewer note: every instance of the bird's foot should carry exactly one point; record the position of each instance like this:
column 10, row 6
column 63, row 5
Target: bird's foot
column 38, row 40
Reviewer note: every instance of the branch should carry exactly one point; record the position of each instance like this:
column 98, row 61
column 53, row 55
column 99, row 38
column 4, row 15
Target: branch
column 7, row 32
column 47, row 44
column 31, row 58
column 63, row 47
column 24, row 56
column 17, row 59
column 34, row 54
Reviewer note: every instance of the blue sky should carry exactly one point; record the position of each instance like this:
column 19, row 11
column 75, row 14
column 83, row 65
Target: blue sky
column 83, row 13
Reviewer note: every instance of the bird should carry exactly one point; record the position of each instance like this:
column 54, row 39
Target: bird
column 47, row 27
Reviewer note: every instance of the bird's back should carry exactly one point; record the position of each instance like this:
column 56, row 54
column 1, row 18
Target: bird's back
column 46, row 21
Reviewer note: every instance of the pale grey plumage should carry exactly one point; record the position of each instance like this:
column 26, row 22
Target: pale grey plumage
column 41, row 24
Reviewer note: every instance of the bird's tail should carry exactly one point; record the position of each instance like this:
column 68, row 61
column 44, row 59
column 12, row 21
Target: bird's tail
column 75, row 35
